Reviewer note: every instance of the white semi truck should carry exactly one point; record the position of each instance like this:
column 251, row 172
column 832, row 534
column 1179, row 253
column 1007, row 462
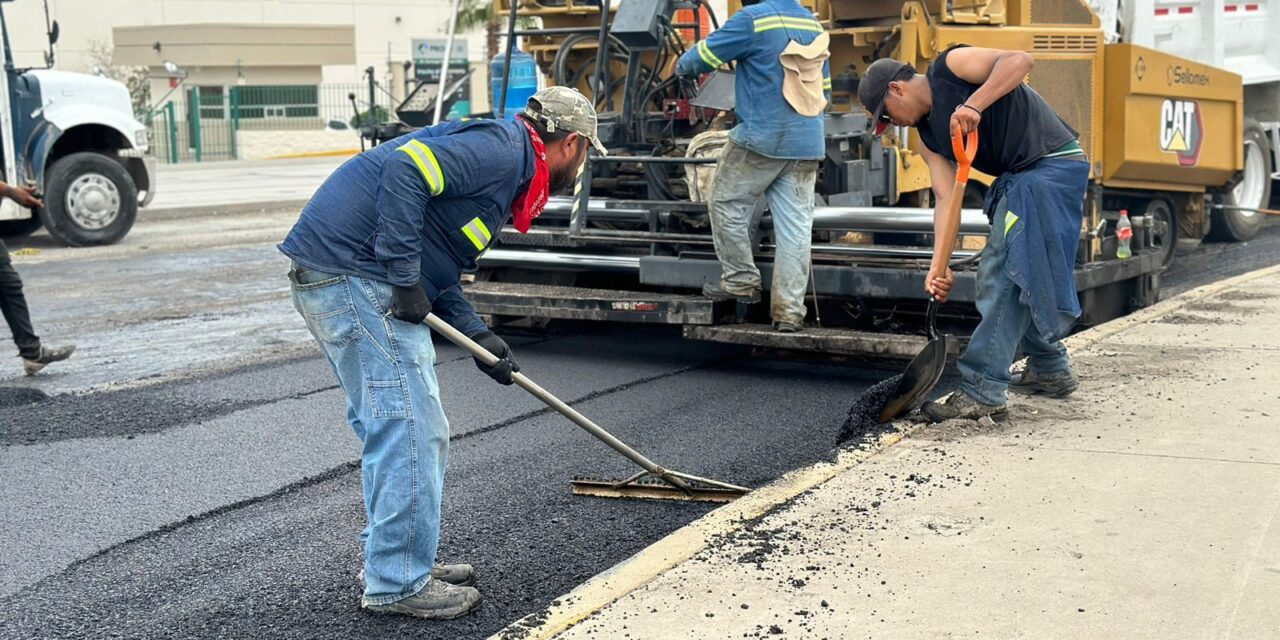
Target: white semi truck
column 1241, row 36
column 75, row 138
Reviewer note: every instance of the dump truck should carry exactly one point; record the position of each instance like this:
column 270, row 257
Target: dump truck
column 74, row 137
column 1240, row 37
column 632, row 244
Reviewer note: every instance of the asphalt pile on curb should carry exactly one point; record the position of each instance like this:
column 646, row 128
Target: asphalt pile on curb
column 864, row 414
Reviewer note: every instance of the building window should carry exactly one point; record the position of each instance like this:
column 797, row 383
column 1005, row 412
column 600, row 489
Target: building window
column 278, row 101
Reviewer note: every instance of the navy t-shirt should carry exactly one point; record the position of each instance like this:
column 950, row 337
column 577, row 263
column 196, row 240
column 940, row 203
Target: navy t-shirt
column 1014, row 132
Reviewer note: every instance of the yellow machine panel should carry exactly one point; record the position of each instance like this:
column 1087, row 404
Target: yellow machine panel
column 1170, row 120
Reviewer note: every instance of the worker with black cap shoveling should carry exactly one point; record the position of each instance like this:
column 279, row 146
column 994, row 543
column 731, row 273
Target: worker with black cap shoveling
column 1026, row 285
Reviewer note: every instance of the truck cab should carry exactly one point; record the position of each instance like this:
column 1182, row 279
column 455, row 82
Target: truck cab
column 74, row 137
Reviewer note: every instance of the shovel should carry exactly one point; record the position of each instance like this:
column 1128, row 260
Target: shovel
column 653, row 482
column 922, row 375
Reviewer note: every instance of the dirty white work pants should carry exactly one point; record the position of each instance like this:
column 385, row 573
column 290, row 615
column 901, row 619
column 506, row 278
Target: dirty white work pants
column 741, row 179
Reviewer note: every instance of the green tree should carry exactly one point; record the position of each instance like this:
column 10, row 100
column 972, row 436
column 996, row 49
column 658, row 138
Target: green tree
column 473, row 14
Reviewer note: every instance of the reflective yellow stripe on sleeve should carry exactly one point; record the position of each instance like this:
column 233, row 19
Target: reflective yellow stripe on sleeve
column 478, row 233
column 427, row 165
column 705, row 52
column 787, row 22
column 1010, row 219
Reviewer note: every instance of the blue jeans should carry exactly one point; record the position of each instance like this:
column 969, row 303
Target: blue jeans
column 1006, row 324
column 386, row 369
column 742, row 177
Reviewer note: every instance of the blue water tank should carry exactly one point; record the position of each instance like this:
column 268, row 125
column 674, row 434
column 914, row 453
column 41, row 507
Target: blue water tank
column 522, row 85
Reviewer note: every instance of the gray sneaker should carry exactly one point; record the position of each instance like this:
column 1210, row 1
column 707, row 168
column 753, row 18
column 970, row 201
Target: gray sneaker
column 48, row 356
column 720, row 294
column 460, row 575
column 1030, row 382
column 960, row 405
column 439, row 600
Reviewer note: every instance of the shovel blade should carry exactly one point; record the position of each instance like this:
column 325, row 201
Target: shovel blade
column 920, row 377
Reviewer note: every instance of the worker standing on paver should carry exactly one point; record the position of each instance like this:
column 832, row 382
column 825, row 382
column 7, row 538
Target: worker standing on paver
column 783, row 81
column 13, row 303
column 380, row 245
column 1026, row 280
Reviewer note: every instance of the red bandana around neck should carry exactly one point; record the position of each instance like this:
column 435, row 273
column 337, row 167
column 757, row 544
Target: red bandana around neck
column 529, row 203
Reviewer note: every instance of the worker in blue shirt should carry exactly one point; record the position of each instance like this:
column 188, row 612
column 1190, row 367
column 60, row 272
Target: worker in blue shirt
column 783, row 83
column 379, row 246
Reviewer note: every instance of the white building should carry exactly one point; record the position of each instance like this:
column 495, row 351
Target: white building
column 382, row 29
column 290, row 59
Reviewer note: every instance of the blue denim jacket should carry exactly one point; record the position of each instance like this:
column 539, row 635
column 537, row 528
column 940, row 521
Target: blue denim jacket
column 420, row 208
column 1042, row 234
column 754, row 37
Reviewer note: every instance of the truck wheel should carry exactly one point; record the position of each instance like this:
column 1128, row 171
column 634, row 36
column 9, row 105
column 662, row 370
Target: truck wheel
column 89, row 200
column 1254, row 190
column 1164, row 237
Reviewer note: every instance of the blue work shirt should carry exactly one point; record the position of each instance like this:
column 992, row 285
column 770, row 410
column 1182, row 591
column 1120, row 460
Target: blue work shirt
column 418, row 209
column 754, row 37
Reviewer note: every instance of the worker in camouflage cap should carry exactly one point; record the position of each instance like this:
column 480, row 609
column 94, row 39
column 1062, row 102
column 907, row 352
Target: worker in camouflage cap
column 564, row 109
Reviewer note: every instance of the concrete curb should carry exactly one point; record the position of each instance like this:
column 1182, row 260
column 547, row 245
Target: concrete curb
column 1090, row 337
column 240, row 208
column 315, row 154
column 686, row 542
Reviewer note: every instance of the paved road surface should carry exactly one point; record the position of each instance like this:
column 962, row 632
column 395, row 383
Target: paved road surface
column 192, row 474
column 211, row 184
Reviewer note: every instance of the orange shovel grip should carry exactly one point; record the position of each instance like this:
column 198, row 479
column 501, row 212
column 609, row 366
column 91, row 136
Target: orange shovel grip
column 965, row 150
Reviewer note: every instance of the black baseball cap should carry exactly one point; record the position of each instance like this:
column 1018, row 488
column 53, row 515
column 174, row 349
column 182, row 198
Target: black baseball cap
column 873, row 87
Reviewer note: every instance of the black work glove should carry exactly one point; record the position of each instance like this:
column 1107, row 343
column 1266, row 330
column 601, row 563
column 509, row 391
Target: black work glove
column 410, row 304
column 501, row 371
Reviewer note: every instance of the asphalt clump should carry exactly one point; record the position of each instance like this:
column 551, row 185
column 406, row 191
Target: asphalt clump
column 20, row 396
column 864, row 413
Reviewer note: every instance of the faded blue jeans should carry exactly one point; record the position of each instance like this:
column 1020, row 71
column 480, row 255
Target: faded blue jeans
column 1006, row 324
column 386, row 369
column 742, row 177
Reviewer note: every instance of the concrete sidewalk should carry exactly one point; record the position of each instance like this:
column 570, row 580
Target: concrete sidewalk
column 237, row 186
column 1144, row 506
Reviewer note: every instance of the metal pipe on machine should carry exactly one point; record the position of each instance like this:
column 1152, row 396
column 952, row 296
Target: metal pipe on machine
column 555, row 260
column 874, row 219
column 893, row 219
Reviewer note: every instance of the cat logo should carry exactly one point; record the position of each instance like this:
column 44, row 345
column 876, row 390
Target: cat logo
column 1182, row 130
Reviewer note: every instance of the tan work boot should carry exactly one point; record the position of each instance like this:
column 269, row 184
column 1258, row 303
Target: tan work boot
column 48, row 356
column 1030, row 382
column 460, row 575
column 960, row 405
column 439, row 600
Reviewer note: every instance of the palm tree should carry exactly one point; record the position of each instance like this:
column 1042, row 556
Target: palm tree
column 474, row 13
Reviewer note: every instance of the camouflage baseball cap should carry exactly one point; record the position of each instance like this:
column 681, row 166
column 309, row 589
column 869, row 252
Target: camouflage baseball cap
column 564, row 109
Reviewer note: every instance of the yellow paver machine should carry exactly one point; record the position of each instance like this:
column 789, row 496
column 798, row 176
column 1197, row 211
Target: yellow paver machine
column 1164, row 135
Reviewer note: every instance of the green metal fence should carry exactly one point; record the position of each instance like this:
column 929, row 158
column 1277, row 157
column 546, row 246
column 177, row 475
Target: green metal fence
column 203, row 123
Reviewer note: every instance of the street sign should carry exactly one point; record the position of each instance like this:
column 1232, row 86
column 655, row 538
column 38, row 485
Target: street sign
column 428, row 54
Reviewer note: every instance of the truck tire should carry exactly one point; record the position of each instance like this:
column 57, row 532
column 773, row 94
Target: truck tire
column 1254, row 190
column 1165, row 240
column 89, row 200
